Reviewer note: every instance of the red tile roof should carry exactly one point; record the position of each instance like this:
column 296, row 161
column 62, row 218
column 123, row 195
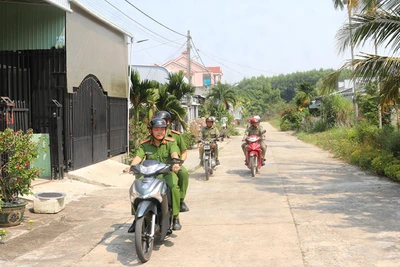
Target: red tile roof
column 215, row 69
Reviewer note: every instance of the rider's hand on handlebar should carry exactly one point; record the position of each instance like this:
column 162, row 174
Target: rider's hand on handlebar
column 176, row 167
column 127, row 169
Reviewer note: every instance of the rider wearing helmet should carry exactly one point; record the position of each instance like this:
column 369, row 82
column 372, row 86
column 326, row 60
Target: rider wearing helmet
column 255, row 129
column 183, row 175
column 207, row 133
column 161, row 148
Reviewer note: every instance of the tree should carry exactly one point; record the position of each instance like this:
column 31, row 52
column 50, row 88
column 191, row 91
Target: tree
column 170, row 103
column 222, row 96
column 178, row 87
column 142, row 94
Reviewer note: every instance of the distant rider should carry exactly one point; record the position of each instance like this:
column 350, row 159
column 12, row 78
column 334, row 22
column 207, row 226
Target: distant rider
column 209, row 132
column 255, row 129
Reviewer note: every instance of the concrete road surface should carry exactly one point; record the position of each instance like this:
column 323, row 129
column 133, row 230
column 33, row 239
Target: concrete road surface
column 305, row 208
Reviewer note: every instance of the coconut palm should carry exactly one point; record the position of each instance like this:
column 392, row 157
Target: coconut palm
column 222, row 95
column 169, row 102
column 143, row 95
column 382, row 27
column 178, row 87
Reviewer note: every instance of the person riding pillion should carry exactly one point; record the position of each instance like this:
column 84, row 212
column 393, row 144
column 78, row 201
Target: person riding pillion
column 183, row 175
column 209, row 132
column 255, row 129
column 161, row 148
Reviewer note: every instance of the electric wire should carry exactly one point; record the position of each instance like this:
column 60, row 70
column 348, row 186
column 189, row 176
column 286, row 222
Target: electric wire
column 154, row 19
column 209, row 56
column 139, row 23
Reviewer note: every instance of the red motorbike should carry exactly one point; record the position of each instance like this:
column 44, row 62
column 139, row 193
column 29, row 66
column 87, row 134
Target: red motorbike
column 253, row 153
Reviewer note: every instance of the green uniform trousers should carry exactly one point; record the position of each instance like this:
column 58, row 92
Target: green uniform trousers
column 183, row 182
column 172, row 181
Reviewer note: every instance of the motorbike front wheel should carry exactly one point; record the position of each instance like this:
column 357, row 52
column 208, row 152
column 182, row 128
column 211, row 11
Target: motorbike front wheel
column 253, row 165
column 143, row 241
column 207, row 168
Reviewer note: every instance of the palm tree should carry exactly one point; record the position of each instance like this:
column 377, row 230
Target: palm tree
column 382, row 27
column 177, row 86
column 222, row 95
column 143, row 94
column 304, row 94
column 173, row 105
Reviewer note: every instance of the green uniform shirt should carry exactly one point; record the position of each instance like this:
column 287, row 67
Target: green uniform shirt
column 209, row 133
column 161, row 153
column 253, row 131
column 178, row 140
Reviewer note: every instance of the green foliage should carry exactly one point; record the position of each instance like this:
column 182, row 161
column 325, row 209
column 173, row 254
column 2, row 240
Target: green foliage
column 318, row 125
column 291, row 118
column 189, row 139
column 383, row 161
column 393, row 171
column 138, row 132
column 365, row 133
column 17, row 175
column 336, row 110
column 363, row 156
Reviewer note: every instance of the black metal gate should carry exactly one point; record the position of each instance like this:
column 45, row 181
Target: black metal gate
column 89, row 122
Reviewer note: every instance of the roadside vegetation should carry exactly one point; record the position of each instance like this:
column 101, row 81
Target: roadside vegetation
column 364, row 132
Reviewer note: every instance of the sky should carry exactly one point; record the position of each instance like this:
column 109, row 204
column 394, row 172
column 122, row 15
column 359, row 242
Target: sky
column 245, row 38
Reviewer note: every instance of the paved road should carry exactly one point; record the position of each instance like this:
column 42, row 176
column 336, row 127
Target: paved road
column 305, row 208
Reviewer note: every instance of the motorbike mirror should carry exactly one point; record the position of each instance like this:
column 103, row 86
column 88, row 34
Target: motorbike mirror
column 263, row 132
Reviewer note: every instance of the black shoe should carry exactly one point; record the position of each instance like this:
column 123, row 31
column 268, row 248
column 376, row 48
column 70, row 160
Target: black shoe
column 263, row 163
column 245, row 162
column 217, row 162
column 132, row 228
column 263, row 159
column 176, row 226
column 184, row 208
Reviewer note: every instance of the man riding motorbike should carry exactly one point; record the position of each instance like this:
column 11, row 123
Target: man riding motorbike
column 161, row 148
column 183, row 175
column 208, row 133
column 255, row 129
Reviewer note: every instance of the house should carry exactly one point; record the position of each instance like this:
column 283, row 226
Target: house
column 68, row 65
column 201, row 77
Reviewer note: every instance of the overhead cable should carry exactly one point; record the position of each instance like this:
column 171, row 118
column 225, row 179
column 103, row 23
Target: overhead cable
column 153, row 19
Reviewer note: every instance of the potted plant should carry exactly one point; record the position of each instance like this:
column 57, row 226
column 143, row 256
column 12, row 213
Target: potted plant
column 17, row 151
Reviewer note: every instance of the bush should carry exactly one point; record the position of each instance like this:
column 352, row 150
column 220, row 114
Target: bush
column 393, row 171
column 366, row 133
column 319, row 125
column 363, row 157
column 189, row 139
column 380, row 163
column 16, row 173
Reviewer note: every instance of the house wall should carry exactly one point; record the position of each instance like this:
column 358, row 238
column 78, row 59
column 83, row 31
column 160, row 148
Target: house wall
column 94, row 47
column 28, row 26
column 196, row 71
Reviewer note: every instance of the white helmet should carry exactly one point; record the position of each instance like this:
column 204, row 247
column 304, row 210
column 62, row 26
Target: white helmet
column 257, row 117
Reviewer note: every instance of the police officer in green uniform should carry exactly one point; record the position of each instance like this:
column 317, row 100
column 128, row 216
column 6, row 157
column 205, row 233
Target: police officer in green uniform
column 207, row 133
column 183, row 175
column 255, row 129
column 161, row 148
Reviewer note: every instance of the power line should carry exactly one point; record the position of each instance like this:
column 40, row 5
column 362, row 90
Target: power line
column 238, row 63
column 199, row 56
column 139, row 23
column 153, row 19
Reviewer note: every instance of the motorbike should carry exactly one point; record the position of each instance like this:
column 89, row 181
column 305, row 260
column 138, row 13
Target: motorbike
column 209, row 162
column 151, row 202
column 253, row 153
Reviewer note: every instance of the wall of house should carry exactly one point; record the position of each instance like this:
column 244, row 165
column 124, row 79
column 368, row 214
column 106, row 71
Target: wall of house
column 28, row 26
column 93, row 47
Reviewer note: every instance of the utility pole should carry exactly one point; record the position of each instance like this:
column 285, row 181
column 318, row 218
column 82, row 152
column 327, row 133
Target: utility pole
column 352, row 61
column 188, row 46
